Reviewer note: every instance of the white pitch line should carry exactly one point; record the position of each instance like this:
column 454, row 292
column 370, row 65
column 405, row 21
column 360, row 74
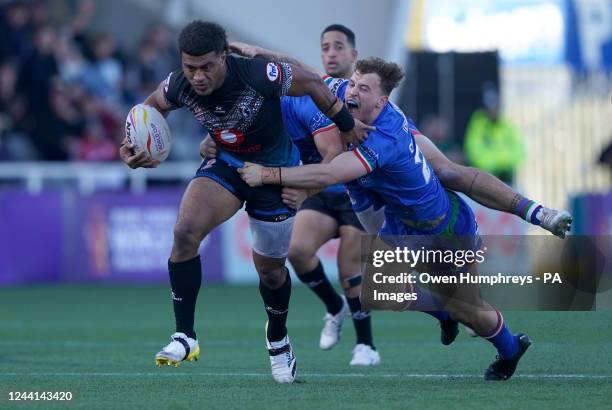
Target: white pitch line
column 313, row 375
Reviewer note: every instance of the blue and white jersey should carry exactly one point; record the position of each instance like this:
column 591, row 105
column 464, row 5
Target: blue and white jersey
column 303, row 121
column 399, row 175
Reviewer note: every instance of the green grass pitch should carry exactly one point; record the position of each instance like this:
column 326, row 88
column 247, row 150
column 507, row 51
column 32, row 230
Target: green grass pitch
column 99, row 343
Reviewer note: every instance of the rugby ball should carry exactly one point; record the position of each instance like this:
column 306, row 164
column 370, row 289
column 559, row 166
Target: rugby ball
column 148, row 130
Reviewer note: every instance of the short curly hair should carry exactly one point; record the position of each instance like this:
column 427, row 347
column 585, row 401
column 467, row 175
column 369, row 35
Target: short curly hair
column 201, row 37
column 390, row 73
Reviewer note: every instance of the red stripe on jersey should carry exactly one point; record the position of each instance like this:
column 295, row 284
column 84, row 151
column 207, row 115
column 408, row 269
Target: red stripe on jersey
column 329, row 127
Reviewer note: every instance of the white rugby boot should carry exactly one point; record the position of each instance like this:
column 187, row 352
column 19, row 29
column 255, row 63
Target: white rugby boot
column 180, row 348
column 332, row 329
column 364, row 355
column 282, row 359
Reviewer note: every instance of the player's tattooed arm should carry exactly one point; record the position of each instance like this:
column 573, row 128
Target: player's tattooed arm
column 481, row 186
column 345, row 167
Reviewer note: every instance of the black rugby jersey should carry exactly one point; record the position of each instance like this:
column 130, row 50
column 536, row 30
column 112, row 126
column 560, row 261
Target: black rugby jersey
column 244, row 115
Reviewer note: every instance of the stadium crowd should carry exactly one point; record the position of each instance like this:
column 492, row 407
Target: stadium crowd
column 64, row 89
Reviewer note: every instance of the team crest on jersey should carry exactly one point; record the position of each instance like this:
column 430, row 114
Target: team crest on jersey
column 272, row 71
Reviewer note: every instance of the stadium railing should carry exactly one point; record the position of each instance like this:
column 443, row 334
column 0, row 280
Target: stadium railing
column 87, row 177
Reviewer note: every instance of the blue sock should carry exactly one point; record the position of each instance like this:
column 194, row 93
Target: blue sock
column 505, row 342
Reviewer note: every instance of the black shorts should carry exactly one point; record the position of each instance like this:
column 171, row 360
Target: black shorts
column 263, row 202
column 334, row 204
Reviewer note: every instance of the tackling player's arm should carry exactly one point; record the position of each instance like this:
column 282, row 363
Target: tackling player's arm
column 345, row 167
column 328, row 143
column 133, row 159
column 479, row 185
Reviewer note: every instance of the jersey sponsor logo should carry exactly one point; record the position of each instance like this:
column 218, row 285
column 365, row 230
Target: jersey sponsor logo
column 229, row 137
column 272, row 71
column 254, row 149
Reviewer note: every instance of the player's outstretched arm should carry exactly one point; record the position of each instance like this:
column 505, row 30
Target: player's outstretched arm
column 482, row 187
column 343, row 168
column 491, row 192
column 252, row 51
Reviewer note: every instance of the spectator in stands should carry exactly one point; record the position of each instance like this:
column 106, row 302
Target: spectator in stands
column 15, row 31
column 14, row 141
column 103, row 76
column 491, row 142
column 59, row 126
column 64, row 92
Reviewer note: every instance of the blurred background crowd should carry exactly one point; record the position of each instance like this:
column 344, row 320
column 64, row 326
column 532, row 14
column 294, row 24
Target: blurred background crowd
column 64, row 89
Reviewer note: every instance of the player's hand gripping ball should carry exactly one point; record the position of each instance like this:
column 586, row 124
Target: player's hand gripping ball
column 148, row 131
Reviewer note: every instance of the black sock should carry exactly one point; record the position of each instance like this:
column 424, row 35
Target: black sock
column 319, row 284
column 185, row 280
column 276, row 302
column 362, row 322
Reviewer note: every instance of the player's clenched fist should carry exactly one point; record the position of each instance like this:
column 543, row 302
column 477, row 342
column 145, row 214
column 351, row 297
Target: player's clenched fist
column 252, row 174
column 358, row 134
column 293, row 197
column 208, row 148
column 135, row 159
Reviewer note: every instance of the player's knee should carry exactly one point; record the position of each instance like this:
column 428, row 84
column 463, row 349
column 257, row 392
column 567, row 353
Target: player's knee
column 299, row 254
column 186, row 237
column 273, row 278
